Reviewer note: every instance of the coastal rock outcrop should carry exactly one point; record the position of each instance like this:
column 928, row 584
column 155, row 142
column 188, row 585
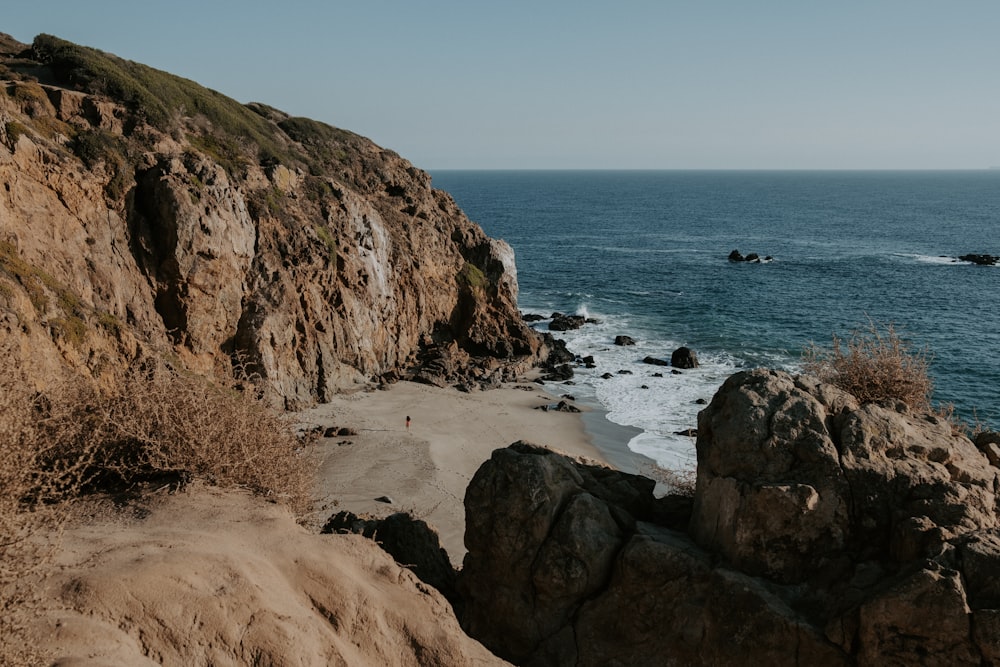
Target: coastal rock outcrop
column 752, row 258
column 562, row 322
column 822, row 532
column 981, row 259
column 174, row 222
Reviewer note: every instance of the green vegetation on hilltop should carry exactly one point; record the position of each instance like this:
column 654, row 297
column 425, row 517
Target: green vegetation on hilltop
column 160, row 98
column 233, row 134
column 326, row 144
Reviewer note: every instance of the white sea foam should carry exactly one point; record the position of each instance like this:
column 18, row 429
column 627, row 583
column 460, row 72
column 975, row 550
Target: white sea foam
column 929, row 259
column 651, row 398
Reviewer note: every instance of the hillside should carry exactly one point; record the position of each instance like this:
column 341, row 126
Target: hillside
column 145, row 215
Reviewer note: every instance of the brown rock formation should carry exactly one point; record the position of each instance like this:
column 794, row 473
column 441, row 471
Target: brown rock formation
column 822, row 533
column 129, row 226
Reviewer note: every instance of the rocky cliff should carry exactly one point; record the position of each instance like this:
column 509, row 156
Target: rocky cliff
column 822, row 532
column 143, row 214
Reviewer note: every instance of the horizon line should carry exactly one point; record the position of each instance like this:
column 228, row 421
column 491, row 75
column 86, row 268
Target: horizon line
column 729, row 169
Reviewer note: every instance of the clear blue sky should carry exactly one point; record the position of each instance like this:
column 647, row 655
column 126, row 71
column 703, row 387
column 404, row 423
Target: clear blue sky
column 717, row 84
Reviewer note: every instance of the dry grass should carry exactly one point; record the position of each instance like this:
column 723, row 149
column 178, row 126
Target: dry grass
column 29, row 519
column 165, row 421
column 154, row 425
column 874, row 365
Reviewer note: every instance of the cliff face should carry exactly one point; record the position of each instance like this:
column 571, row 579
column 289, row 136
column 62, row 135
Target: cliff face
column 143, row 214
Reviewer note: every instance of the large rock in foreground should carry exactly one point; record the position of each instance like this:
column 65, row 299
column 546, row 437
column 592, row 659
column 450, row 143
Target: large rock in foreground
column 209, row 577
column 829, row 482
column 823, row 532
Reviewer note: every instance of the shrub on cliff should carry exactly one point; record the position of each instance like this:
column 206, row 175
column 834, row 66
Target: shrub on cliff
column 874, row 365
column 29, row 517
column 161, row 423
column 153, row 424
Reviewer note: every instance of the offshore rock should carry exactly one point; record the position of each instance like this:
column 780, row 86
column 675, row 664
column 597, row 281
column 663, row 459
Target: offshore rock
column 981, row 260
column 684, row 357
column 822, row 532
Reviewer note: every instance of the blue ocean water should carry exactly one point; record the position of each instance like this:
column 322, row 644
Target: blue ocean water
column 645, row 252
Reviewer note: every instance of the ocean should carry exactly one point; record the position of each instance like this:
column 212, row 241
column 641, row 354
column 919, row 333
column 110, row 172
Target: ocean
column 645, row 253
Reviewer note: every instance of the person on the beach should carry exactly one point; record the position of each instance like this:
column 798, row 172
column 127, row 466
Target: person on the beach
column 407, row 422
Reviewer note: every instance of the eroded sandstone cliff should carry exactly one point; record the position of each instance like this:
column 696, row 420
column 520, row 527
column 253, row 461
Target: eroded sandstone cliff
column 143, row 214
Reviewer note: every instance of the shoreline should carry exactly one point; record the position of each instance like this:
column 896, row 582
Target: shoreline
column 424, row 469
column 612, row 440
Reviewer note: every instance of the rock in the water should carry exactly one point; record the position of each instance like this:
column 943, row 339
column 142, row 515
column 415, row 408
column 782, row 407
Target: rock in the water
column 981, row 260
column 752, row 258
column 561, row 322
column 624, row 340
column 684, row 357
column 655, row 362
column 558, row 373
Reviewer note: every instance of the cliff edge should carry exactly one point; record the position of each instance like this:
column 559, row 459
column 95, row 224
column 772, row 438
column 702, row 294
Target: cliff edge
column 143, row 214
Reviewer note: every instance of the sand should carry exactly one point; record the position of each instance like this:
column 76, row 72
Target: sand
column 425, row 469
column 210, row 574
column 217, row 577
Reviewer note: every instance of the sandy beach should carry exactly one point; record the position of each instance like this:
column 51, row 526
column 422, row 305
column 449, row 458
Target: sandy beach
column 424, row 469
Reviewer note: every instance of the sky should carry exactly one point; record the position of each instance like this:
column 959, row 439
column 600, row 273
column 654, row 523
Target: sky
column 555, row 84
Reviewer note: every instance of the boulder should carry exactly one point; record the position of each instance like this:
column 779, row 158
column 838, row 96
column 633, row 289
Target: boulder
column 821, row 532
column 624, row 340
column 684, row 357
column 826, row 478
column 988, row 442
column 558, row 373
column 655, row 362
column 561, row 322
